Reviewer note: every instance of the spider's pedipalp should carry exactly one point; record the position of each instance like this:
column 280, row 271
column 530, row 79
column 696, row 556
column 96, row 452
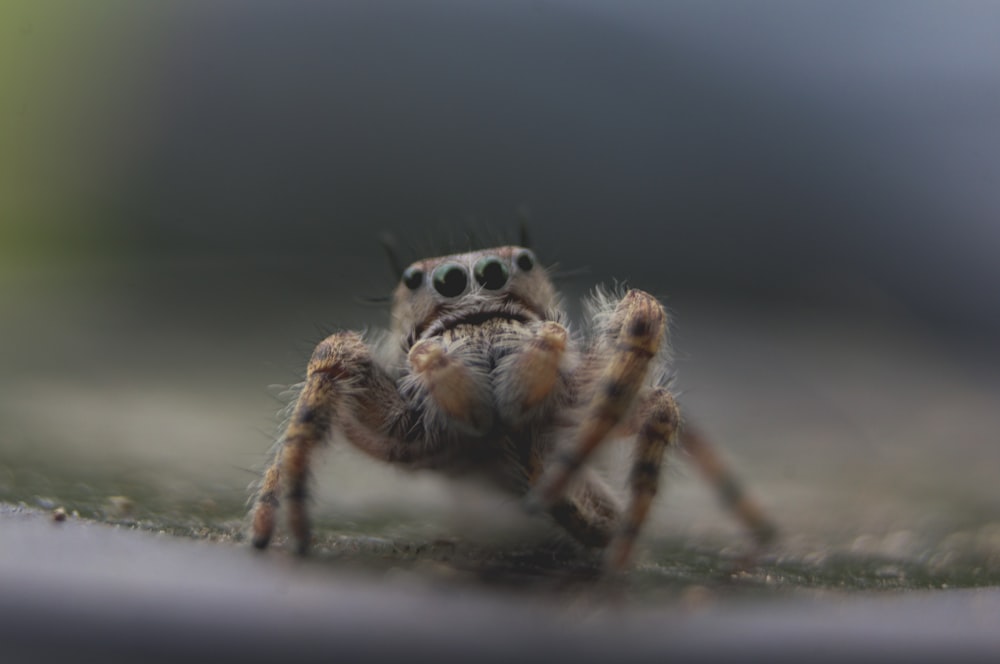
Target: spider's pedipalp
column 525, row 380
column 453, row 387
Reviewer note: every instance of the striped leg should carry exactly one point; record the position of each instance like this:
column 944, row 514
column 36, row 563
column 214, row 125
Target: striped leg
column 588, row 512
column 343, row 389
column 637, row 329
column 727, row 485
column 658, row 429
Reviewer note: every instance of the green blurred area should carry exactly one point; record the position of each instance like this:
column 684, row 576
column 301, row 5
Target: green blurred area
column 72, row 127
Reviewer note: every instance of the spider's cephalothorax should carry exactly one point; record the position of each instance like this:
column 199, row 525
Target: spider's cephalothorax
column 481, row 375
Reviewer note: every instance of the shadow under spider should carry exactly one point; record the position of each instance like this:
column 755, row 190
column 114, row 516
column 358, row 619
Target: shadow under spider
column 551, row 565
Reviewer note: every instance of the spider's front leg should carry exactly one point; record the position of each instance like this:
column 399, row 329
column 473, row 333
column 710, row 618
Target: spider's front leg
column 345, row 390
column 634, row 335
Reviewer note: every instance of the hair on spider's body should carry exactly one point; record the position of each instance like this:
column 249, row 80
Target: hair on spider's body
column 482, row 373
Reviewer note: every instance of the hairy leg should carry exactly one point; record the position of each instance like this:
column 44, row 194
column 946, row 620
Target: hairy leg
column 636, row 332
column 345, row 390
column 588, row 512
column 659, row 418
column 728, row 487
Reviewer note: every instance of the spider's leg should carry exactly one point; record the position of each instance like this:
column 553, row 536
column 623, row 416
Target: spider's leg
column 344, row 389
column 657, row 428
column 727, row 485
column 588, row 512
column 636, row 332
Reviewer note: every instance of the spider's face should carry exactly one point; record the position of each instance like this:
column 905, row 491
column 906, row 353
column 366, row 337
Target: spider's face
column 437, row 294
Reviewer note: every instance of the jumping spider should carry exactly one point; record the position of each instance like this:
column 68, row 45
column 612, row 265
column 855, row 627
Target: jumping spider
column 481, row 374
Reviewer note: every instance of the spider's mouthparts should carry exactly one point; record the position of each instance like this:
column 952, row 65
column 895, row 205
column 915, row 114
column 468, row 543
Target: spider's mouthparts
column 480, row 317
column 451, row 320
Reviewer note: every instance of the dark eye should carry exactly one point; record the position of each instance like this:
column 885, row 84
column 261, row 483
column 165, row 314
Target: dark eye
column 450, row 279
column 491, row 273
column 413, row 278
column 525, row 260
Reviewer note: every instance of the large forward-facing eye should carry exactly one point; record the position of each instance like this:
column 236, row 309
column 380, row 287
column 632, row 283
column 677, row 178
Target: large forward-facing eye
column 450, row 279
column 525, row 260
column 413, row 277
column 491, row 272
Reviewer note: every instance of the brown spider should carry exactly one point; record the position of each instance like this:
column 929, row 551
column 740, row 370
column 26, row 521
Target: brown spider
column 481, row 374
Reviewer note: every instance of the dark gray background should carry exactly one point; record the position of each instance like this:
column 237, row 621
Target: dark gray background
column 842, row 153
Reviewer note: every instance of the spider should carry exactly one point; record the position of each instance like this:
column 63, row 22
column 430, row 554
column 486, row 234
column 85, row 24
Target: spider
column 481, row 374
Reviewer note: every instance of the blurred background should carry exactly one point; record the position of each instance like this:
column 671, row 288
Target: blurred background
column 191, row 195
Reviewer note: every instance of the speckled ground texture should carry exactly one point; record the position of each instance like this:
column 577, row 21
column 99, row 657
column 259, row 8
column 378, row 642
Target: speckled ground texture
column 867, row 444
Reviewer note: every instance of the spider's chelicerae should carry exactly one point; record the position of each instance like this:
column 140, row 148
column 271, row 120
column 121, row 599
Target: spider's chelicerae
column 482, row 375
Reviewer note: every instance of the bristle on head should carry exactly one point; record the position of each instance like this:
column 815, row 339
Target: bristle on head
column 388, row 242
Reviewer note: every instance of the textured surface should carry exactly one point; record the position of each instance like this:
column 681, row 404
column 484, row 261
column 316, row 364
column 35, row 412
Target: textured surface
column 869, row 445
column 190, row 195
column 125, row 595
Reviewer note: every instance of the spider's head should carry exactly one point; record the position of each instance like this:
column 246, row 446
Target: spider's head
column 436, row 294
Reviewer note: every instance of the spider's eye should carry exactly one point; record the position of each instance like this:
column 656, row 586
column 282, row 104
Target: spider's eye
column 525, row 260
column 413, row 278
column 491, row 273
column 450, row 279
